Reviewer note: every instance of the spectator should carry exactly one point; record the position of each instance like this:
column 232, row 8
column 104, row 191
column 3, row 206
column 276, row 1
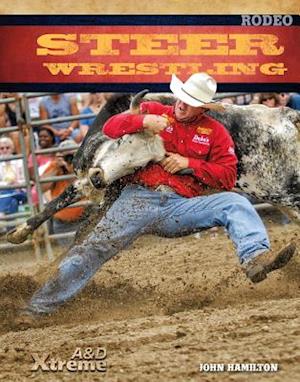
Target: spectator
column 255, row 99
column 59, row 105
column 83, row 100
column 95, row 103
column 3, row 116
column 268, row 99
column 8, row 118
column 11, row 174
column 228, row 100
column 46, row 140
column 67, row 219
column 290, row 100
column 34, row 108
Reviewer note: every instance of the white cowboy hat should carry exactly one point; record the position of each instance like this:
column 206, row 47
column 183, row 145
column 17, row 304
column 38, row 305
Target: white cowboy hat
column 198, row 90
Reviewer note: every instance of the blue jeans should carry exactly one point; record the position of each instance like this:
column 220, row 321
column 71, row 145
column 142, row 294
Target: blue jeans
column 10, row 200
column 139, row 210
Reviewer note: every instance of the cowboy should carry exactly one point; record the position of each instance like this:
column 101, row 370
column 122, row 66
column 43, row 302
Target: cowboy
column 159, row 200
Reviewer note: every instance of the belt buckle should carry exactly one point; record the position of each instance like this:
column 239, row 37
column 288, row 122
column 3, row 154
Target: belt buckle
column 163, row 188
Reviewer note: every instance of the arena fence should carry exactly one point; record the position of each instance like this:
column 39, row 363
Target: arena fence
column 25, row 127
column 20, row 128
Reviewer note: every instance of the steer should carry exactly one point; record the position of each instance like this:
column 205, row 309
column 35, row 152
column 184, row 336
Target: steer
column 268, row 148
column 267, row 143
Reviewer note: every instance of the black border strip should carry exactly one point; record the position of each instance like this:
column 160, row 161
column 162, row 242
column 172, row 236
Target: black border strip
column 105, row 20
column 134, row 87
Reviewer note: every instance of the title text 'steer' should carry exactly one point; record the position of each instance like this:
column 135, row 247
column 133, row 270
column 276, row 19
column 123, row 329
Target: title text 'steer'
column 185, row 44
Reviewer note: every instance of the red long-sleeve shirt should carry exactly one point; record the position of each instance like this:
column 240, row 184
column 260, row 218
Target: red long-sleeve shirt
column 206, row 143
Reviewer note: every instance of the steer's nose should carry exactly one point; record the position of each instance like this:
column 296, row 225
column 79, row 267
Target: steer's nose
column 96, row 177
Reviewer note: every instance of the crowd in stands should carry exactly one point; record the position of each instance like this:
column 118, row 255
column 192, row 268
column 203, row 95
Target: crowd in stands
column 49, row 135
column 291, row 100
column 69, row 133
column 11, row 175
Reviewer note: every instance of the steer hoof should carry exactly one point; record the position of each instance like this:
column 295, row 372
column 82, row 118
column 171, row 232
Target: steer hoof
column 19, row 234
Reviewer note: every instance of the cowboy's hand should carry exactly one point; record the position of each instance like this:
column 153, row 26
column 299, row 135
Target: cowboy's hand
column 155, row 123
column 174, row 162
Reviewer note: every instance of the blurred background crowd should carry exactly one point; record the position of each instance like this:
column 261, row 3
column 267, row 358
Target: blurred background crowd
column 62, row 135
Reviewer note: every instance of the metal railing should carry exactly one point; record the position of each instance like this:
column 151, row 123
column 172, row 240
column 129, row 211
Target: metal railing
column 27, row 184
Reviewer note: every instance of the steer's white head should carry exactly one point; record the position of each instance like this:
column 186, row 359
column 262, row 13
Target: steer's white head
column 116, row 158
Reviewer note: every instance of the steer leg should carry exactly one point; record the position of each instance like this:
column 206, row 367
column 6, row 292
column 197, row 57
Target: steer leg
column 293, row 214
column 19, row 234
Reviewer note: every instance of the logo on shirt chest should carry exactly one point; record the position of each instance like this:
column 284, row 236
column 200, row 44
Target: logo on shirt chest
column 201, row 140
column 204, row 130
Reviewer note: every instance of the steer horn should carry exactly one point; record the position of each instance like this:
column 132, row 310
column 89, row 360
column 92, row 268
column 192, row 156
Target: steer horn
column 136, row 101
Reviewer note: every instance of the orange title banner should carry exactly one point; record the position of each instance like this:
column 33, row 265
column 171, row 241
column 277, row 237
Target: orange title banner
column 148, row 54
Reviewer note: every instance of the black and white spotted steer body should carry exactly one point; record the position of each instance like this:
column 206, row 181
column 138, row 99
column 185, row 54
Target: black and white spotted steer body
column 267, row 144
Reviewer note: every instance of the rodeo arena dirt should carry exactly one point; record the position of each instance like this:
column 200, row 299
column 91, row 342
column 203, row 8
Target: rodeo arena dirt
column 164, row 309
